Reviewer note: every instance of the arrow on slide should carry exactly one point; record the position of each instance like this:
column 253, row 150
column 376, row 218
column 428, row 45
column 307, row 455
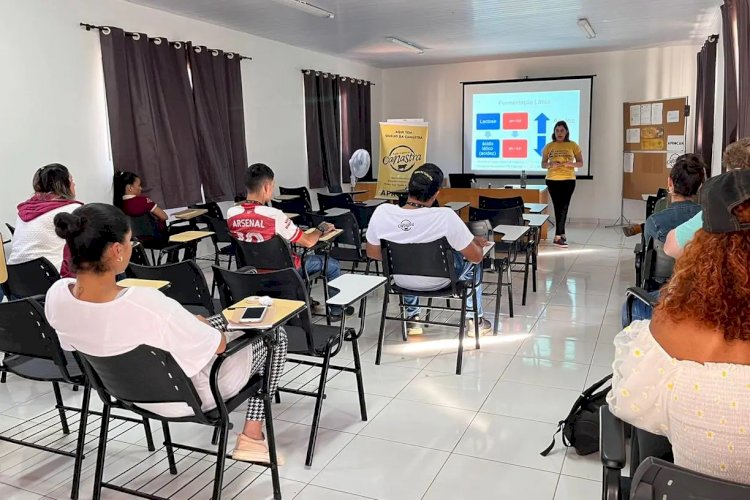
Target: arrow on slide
column 541, row 123
column 540, row 142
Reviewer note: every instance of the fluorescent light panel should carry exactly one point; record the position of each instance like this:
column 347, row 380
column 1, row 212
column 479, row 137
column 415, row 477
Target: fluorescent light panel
column 406, row 45
column 307, row 7
column 586, row 27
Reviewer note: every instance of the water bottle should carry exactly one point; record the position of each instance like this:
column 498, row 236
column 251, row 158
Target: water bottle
column 523, row 179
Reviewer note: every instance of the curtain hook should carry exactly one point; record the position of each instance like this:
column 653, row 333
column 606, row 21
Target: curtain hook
column 197, row 48
column 106, row 30
column 230, row 55
column 177, row 45
column 214, row 52
column 136, row 36
column 157, row 40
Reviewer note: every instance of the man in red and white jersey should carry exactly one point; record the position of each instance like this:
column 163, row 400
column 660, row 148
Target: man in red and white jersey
column 253, row 221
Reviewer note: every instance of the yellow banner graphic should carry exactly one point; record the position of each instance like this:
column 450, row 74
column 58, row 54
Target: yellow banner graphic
column 403, row 148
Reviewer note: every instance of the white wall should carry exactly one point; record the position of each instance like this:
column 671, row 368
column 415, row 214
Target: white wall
column 434, row 93
column 719, row 101
column 52, row 105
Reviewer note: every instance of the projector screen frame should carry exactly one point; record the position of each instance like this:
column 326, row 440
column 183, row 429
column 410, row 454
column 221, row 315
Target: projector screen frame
column 590, row 175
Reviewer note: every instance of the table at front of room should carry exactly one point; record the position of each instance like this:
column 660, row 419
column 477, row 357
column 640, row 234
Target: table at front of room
column 531, row 194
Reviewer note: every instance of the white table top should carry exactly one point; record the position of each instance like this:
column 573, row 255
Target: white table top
column 486, row 249
column 353, row 287
column 333, row 212
column 371, row 203
column 645, row 196
column 535, row 187
column 536, row 220
column 285, row 197
column 457, row 206
column 511, row 233
column 535, row 208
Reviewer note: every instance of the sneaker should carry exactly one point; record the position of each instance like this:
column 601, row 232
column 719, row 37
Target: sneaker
column 631, row 230
column 253, row 450
column 485, row 327
column 413, row 326
column 560, row 242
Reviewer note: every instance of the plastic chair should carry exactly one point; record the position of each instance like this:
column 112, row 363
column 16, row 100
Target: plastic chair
column 30, row 278
column 432, row 259
column 302, row 192
column 348, row 245
column 489, row 203
column 339, row 200
column 187, row 284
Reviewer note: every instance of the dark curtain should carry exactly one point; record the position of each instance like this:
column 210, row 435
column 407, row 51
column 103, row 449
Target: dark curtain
column 743, row 70
column 728, row 16
column 356, row 118
column 220, row 116
column 705, row 95
column 322, row 130
column 150, row 110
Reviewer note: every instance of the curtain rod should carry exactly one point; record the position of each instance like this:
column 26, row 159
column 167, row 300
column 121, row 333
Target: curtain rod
column 325, row 74
column 106, row 30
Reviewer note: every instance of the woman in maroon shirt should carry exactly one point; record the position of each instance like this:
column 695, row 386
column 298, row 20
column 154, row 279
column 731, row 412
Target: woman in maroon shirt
column 129, row 199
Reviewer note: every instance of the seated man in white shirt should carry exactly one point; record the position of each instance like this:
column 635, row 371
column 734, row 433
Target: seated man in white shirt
column 418, row 222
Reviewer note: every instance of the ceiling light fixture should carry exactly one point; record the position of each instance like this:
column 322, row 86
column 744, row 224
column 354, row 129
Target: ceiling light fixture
column 406, row 45
column 307, row 7
column 586, row 27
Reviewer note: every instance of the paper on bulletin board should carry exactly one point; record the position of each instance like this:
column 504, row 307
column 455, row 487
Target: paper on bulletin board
column 673, row 116
column 628, row 160
column 635, row 115
column 652, row 144
column 676, row 143
column 633, row 136
column 657, row 113
column 672, row 157
column 645, row 114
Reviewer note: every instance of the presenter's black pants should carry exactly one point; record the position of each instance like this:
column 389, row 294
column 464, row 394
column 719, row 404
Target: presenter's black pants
column 561, row 192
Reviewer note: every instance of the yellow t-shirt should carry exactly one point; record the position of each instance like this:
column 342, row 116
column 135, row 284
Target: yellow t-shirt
column 560, row 153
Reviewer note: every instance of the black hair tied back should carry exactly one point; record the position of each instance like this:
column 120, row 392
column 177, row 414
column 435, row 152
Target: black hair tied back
column 68, row 226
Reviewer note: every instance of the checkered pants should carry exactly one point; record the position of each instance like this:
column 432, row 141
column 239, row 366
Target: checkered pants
column 255, row 410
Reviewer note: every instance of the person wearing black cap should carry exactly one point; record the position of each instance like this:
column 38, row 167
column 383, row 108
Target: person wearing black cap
column 685, row 374
column 419, row 222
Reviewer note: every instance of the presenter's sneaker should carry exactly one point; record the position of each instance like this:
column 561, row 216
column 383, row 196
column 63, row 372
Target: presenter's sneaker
column 560, row 242
column 485, row 327
column 413, row 326
column 253, row 450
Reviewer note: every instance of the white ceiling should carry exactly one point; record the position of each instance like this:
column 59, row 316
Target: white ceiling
column 459, row 30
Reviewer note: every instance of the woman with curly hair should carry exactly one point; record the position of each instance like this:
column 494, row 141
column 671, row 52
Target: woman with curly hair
column 686, row 373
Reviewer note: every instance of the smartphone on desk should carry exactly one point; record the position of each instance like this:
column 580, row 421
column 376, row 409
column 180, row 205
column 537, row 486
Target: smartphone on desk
column 253, row 314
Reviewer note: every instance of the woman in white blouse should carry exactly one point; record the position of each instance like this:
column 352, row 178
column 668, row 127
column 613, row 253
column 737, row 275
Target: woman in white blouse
column 686, row 373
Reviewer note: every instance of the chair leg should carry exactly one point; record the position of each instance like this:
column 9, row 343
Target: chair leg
column 461, row 331
column 215, row 436
column 476, row 317
column 534, row 262
column 149, row 436
column 318, row 406
column 77, row 467
column 2, row 377
column 60, row 409
column 221, row 457
column 277, row 397
column 168, row 447
column 360, row 381
column 429, row 310
column 499, row 293
column 102, row 451
column 381, row 335
column 510, row 290
column 271, row 437
column 402, row 315
column 525, row 277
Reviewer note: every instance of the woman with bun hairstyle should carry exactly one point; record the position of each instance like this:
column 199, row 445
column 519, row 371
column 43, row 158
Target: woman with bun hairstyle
column 54, row 193
column 95, row 316
column 128, row 197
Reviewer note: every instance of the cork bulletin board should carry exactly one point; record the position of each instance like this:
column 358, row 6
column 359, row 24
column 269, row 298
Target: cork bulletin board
column 653, row 136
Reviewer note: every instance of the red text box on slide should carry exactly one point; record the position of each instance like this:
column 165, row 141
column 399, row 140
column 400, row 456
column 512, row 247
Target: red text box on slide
column 515, row 121
column 515, row 148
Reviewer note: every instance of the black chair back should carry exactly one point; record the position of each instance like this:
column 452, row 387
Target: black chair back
column 219, row 228
column 187, row 282
column 214, row 210
column 282, row 284
column 297, row 206
column 142, row 375
column 656, row 479
column 24, row 331
column 139, row 255
column 339, row 200
column 433, row 259
column 302, row 192
column 651, row 205
column 657, row 266
column 351, row 235
column 272, row 254
column 144, row 229
column 461, row 180
column 489, row 203
column 12, row 229
column 509, row 216
column 30, row 278
column 661, row 193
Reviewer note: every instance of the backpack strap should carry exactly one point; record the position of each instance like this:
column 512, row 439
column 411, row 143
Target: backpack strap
column 560, row 426
column 594, row 387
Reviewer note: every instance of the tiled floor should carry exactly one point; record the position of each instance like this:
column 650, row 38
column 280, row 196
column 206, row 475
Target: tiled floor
column 431, row 434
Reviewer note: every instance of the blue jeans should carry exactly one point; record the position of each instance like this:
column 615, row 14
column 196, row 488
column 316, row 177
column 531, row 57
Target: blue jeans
column 314, row 264
column 465, row 271
column 639, row 310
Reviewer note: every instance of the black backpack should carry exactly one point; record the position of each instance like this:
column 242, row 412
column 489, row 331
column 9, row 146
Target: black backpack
column 581, row 427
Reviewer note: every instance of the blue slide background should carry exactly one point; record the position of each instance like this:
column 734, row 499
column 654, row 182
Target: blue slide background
column 544, row 110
